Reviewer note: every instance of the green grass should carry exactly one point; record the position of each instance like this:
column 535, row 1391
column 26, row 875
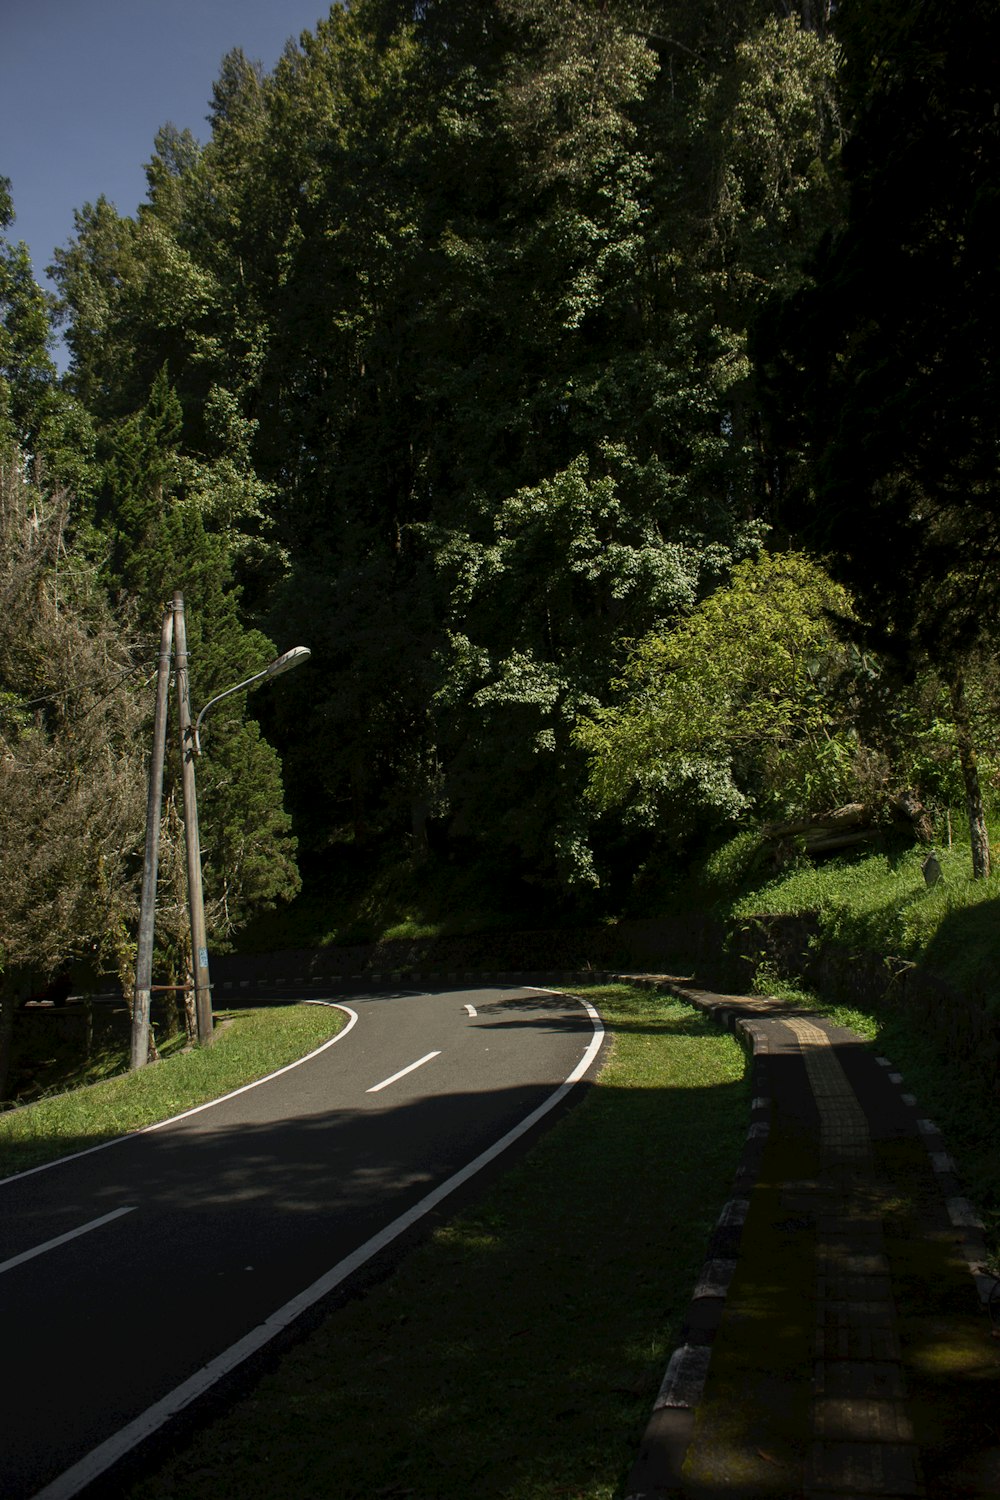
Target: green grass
column 882, row 903
column 247, row 1046
column 514, row 1354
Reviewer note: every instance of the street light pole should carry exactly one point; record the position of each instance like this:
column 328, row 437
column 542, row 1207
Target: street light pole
column 174, row 630
column 147, row 905
column 192, row 844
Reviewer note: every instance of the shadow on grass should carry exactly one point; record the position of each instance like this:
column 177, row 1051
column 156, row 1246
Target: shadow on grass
column 964, row 948
column 693, row 1024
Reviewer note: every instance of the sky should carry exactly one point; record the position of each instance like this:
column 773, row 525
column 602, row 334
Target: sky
column 86, row 84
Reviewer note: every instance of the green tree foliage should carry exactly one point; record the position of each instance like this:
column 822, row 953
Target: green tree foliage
column 38, row 419
column 455, row 307
column 718, row 709
column 574, row 566
column 773, row 119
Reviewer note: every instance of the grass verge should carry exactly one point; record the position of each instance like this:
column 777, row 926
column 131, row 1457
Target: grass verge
column 248, row 1045
column 514, row 1354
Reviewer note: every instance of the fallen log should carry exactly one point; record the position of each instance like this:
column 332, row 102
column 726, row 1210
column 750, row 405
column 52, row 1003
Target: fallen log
column 853, row 815
column 844, row 827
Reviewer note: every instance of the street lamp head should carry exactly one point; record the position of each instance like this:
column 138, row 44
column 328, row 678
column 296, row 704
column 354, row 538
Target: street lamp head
column 284, row 663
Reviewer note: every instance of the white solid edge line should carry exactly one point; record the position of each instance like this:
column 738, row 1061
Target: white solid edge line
column 71, row 1481
column 376, row 1087
column 63, row 1239
column 132, row 1135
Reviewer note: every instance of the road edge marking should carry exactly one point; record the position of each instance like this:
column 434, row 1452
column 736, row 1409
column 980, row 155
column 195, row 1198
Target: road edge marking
column 97, row 1462
column 196, row 1109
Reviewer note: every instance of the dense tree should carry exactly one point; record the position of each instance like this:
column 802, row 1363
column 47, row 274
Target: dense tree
column 73, row 714
column 884, row 369
column 458, row 291
column 436, row 355
column 625, row 290
column 39, row 420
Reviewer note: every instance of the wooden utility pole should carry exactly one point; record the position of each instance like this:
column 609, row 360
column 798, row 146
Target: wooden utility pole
column 147, row 906
column 196, row 901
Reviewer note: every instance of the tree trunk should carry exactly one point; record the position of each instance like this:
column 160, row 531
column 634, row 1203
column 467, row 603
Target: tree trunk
column 420, row 811
column 970, row 775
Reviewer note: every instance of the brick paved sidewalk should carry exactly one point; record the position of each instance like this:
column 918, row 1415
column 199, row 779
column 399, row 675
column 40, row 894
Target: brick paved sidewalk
column 837, row 1343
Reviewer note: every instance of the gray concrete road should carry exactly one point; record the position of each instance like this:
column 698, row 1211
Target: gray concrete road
column 135, row 1277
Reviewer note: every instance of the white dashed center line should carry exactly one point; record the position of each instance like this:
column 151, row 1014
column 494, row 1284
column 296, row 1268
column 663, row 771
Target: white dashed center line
column 62, row 1239
column 403, row 1072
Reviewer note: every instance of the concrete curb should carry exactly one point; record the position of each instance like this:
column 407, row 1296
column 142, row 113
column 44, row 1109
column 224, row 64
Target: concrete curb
column 656, row 1472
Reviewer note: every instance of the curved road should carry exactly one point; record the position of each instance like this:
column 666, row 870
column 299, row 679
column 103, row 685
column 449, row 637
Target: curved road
column 133, row 1277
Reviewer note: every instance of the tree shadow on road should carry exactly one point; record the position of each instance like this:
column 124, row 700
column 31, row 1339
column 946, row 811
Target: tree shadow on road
column 516, row 1350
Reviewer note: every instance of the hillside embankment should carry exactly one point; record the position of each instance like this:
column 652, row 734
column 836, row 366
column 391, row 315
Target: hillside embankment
column 960, row 1020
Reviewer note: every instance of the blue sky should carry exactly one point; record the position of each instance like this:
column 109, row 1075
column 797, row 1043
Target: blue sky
column 86, row 84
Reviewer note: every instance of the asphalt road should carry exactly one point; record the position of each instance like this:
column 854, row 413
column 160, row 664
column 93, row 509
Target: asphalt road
column 134, row 1277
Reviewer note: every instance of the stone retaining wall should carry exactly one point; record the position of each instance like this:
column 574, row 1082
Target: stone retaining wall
column 650, row 944
column 963, row 1023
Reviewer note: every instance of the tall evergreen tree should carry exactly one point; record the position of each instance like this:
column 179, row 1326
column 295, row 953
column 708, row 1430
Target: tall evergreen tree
column 27, row 372
column 39, row 419
column 159, row 543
